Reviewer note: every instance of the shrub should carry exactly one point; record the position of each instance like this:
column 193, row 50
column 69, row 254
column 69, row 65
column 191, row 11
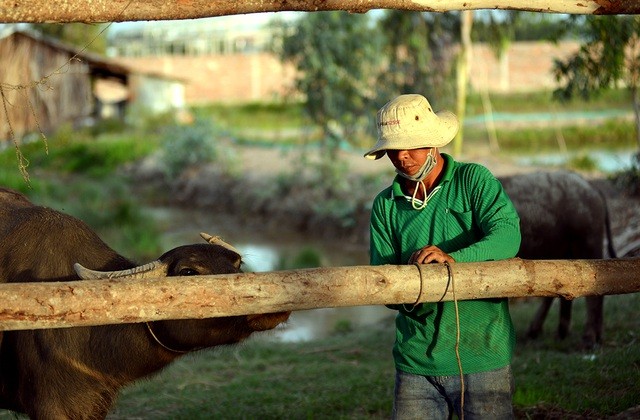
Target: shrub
column 583, row 162
column 306, row 258
column 186, row 146
column 629, row 179
column 108, row 126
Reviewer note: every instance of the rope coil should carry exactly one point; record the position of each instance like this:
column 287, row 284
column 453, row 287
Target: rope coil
column 422, row 285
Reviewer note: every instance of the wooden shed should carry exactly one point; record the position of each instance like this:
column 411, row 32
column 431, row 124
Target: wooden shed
column 45, row 83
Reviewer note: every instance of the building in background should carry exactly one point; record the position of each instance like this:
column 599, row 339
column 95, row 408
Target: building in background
column 236, row 34
column 222, row 59
column 46, row 83
column 227, row 59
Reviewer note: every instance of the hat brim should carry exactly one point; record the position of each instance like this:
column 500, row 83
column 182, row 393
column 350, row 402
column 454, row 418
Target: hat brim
column 439, row 135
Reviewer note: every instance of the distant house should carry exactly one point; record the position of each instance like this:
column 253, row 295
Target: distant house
column 45, row 83
column 154, row 93
column 224, row 58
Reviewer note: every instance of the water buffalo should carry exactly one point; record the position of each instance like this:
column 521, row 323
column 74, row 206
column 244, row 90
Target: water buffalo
column 75, row 373
column 562, row 216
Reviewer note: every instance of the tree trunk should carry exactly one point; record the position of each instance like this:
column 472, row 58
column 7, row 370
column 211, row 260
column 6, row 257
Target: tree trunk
column 91, row 11
column 82, row 303
column 503, row 62
column 489, row 123
column 462, row 76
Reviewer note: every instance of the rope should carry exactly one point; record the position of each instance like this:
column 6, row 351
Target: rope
column 419, row 298
column 455, row 304
column 161, row 344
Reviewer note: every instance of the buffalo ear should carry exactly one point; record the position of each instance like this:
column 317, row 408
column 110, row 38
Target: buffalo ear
column 154, row 269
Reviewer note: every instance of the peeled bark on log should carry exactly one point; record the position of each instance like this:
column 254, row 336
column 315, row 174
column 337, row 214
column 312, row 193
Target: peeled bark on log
column 99, row 302
column 91, row 11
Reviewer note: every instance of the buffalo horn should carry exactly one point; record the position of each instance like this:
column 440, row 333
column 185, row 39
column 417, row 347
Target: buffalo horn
column 154, row 269
column 216, row 240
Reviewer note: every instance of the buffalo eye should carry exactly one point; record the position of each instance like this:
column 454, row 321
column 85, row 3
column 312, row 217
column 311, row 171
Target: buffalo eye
column 187, row 272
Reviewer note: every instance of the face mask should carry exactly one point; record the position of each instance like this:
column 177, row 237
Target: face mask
column 425, row 169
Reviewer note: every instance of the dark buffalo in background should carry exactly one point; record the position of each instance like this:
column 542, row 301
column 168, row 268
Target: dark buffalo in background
column 562, row 216
column 75, row 373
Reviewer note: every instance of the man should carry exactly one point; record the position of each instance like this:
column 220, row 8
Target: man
column 438, row 210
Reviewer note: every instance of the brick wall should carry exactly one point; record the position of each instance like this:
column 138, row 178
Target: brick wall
column 258, row 77
column 222, row 78
column 528, row 66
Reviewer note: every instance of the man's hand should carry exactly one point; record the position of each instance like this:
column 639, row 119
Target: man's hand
column 430, row 254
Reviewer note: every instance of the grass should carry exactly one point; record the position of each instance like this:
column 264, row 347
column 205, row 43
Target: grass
column 96, row 157
column 602, row 381
column 333, row 378
column 612, row 135
column 76, row 152
column 542, row 101
column 269, row 116
column 350, row 375
column 79, row 176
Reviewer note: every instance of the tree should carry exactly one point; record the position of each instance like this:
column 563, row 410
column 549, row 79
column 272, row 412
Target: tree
column 498, row 30
column 462, row 76
column 335, row 54
column 500, row 36
column 524, row 26
column 420, row 52
column 609, row 55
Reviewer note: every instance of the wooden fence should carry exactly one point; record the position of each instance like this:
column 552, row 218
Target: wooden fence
column 98, row 302
column 132, row 10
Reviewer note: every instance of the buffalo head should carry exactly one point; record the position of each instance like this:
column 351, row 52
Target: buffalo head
column 215, row 257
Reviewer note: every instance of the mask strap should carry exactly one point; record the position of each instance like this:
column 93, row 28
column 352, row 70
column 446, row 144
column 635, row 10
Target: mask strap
column 424, row 170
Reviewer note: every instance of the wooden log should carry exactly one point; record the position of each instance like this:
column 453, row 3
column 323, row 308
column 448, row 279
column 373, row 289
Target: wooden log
column 83, row 303
column 91, row 11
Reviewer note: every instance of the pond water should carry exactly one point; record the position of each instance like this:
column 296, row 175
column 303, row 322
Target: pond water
column 607, row 161
column 264, row 250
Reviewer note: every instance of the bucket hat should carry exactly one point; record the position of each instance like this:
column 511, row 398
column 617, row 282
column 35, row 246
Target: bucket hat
column 408, row 122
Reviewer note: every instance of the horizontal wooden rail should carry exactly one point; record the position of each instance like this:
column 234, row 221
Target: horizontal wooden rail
column 99, row 302
column 133, row 10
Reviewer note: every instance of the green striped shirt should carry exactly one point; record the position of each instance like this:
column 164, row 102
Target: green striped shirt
column 471, row 218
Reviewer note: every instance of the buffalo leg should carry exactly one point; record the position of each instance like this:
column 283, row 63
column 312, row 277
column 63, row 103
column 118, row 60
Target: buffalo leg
column 564, row 323
column 535, row 328
column 593, row 327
